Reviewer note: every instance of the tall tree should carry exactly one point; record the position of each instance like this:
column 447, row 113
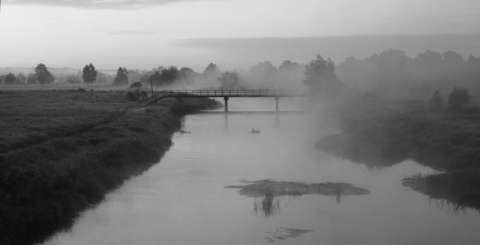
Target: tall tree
column 156, row 79
column 458, row 98
column 212, row 72
column 169, row 75
column 20, row 78
column 43, row 75
column 89, row 74
column 188, row 75
column 10, row 78
column 122, row 76
column 320, row 74
column 229, row 80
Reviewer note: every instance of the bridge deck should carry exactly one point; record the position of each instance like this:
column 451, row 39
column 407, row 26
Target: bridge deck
column 275, row 93
column 232, row 93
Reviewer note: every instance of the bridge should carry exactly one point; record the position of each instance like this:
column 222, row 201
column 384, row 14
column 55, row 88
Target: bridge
column 226, row 94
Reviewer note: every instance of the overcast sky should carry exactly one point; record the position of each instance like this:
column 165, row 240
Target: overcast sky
column 232, row 33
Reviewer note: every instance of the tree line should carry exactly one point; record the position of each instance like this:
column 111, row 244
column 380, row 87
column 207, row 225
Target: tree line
column 264, row 74
column 393, row 70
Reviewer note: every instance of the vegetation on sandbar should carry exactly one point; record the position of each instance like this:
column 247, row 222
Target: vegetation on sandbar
column 283, row 188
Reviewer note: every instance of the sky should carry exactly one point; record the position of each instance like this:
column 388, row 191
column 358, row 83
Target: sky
column 142, row 34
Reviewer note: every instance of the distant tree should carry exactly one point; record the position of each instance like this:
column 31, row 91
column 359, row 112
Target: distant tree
column 211, row 68
column 31, row 78
column 20, row 78
column 289, row 75
column 10, row 78
column 43, row 75
column 288, row 65
column 104, row 78
column 156, row 78
column 170, row 75
column 134, row 75
column 458, row 98
column 212, row 72
column 428, row 57
column 229, row 80
column 437, row 100
column 186, row 70
column 136, row 85
column 427, row 67
column 73, row 79
column 320, row 74
column 472, row 60
column 263, row 70
column 188, row 75
column 122, row 77
column 453, row 58
column 89, row 74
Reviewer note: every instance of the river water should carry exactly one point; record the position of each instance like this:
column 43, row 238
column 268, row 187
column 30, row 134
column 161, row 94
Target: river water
column 182, row 199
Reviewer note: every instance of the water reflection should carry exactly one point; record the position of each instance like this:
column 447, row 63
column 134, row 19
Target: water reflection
column 225, row 124
column 267, row 190
column 449, row 206
column 338, row 196
column 450, row 196
column 371, row 155
column 451, row 192
column 267, row 206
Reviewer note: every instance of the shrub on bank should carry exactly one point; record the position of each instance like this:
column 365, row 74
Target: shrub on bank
column 379, row 135
column 445, row 142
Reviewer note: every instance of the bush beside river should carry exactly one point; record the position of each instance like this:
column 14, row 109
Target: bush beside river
column 61, row 152
column 382, row 133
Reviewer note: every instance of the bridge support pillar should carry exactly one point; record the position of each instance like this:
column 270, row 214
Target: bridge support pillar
column 226, row 103
column 276, row 103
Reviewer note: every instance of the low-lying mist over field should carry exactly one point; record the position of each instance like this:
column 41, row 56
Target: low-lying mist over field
column 388, row 72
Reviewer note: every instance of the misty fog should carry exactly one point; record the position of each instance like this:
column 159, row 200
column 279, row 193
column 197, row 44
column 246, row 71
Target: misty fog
column 239, row 122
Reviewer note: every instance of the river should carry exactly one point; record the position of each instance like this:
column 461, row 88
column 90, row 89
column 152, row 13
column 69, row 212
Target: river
column 182, row 199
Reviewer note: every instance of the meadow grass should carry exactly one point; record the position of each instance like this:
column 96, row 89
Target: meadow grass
column 62, row 151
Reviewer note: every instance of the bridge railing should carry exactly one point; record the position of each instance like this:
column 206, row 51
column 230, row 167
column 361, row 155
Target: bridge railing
column 232, row 93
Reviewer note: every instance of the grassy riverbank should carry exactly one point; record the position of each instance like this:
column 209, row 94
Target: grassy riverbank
column 381, row 133
column 62, row 151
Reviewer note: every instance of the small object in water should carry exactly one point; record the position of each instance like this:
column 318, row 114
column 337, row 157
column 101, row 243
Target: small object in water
column 184, row 132
column 255, row 131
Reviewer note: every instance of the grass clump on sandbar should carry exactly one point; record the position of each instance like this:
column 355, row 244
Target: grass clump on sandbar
column 283, row 188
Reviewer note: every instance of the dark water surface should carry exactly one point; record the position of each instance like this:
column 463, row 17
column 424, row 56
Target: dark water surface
column 182, row 200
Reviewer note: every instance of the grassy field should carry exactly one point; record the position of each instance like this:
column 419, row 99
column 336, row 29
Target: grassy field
column 61, row 151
